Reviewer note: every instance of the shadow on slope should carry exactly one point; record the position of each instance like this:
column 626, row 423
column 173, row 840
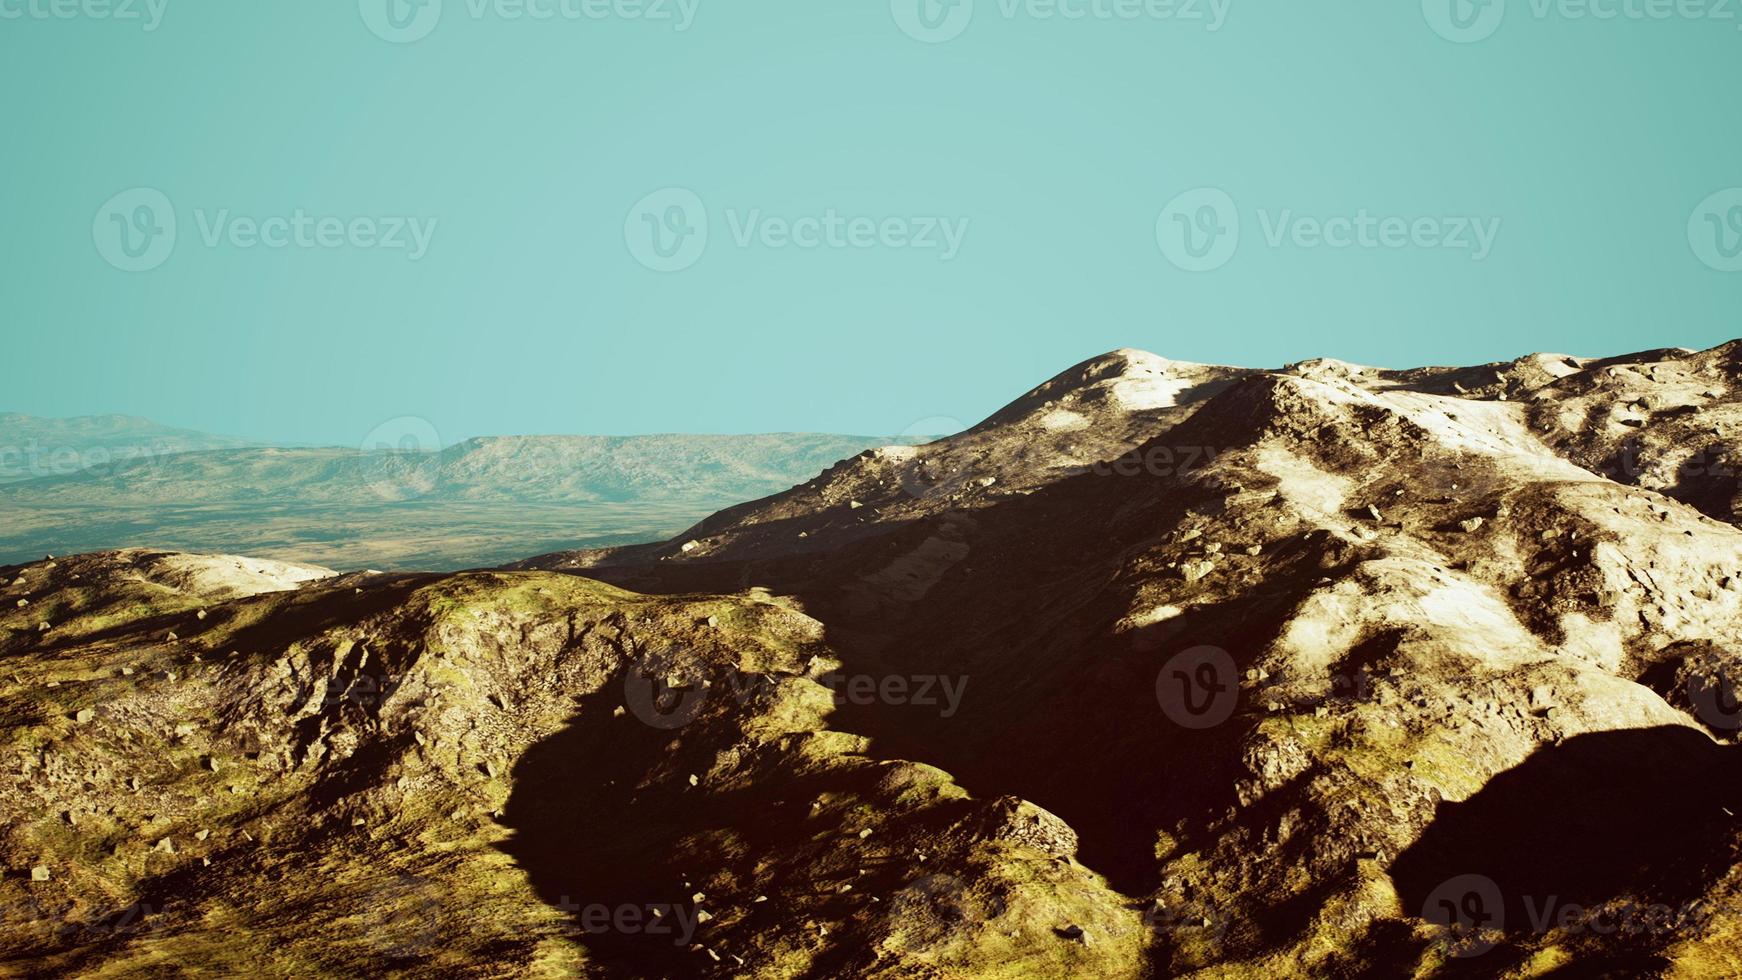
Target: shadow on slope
column 1053, row 709
column 1639, row 822
column 589, row 836
column 606, row 823
column 1014, row 605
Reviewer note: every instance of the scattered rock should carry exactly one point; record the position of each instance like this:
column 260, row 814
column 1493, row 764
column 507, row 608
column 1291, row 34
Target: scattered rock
column 1193, row 571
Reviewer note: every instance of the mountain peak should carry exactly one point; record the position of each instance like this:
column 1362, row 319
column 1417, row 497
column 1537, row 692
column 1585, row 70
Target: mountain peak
column 1122, row 380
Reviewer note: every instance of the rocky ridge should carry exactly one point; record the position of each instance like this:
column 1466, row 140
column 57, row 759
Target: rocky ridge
column 1416, row 586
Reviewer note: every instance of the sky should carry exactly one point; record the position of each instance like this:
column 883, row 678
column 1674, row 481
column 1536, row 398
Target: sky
column 298, row 221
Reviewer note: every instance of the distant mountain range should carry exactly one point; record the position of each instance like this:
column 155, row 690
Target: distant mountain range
column 102, row 482
column 536, row 468
column 34, row 448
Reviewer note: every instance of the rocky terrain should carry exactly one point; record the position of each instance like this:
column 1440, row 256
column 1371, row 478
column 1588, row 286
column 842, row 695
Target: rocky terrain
column 1163, row 670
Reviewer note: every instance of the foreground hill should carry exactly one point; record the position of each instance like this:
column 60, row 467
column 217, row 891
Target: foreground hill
column 1164, row 670
column 224, row 766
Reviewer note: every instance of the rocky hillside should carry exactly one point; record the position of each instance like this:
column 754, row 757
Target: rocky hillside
column 236, row 766
column 1164, row 670
column 1332, row 669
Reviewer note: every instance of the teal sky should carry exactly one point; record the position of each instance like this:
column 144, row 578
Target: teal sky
column 1051, row 146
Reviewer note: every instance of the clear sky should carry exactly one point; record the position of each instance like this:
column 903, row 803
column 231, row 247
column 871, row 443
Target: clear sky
column 849, row 215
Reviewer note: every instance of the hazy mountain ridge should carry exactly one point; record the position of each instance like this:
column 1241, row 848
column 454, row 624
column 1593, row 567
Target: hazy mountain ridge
column 541, row 468
column 32, row 447
column 481, row 502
